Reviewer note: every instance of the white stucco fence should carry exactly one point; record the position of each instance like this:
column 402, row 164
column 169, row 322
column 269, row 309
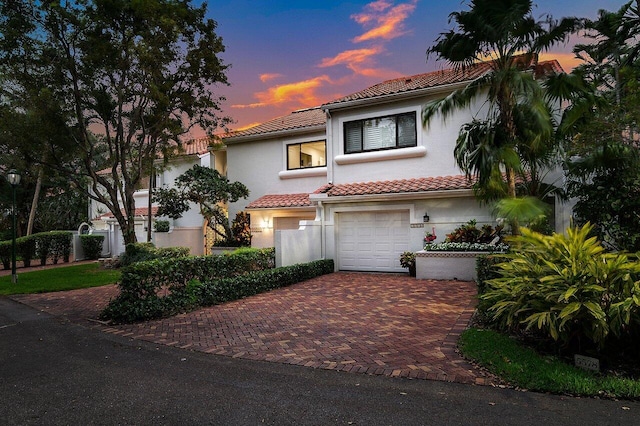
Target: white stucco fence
column 299, row 245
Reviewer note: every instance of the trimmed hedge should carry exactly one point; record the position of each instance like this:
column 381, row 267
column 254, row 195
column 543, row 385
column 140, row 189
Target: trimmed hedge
column 26, row 248
column 91, row 245
column 186, row 292
column 144, row 252
column 5, row 254
column 227, row 289
column 53, row 245
column 146, row 279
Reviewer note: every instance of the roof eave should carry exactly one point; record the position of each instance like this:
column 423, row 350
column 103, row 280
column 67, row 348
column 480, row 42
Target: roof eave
column 445, row 193
column 281, row 208
column 392, row 97
column 273, row 135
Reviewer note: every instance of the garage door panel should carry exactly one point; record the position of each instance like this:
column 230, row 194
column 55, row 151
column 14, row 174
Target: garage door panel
column 372, row 241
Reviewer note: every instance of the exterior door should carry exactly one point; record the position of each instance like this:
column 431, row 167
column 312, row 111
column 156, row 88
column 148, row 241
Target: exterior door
column 372, row 241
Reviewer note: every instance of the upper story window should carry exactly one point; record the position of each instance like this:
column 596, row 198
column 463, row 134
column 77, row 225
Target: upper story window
column 144, row 182
column 374, row 134
column 307, row 154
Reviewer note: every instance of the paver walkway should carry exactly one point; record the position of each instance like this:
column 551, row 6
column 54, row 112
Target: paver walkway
column 370, row 323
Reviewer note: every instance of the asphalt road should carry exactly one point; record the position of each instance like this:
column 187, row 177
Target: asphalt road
column 59, row 373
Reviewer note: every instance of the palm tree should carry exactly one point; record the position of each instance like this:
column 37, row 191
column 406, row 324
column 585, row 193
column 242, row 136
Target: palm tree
column 518, row 128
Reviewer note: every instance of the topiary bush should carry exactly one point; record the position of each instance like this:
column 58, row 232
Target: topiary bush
column 92, row 245
column 567, row 288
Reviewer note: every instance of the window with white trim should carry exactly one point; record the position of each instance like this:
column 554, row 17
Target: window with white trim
column 375, row 134
column 306, row 155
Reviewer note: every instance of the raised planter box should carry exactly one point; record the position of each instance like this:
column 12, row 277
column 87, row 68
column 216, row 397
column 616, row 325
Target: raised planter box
column 447, row 265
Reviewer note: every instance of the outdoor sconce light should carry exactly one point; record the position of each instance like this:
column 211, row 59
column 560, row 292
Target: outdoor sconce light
column 425, row 218
column 13, row 177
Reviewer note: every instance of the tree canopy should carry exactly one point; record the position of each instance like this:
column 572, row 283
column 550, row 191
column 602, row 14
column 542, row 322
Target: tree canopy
column 516, row 134
column 207, row 188
column 123, row 80
column 601, row 129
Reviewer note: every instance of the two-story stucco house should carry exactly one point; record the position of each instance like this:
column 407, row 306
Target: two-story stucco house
column 359, row 179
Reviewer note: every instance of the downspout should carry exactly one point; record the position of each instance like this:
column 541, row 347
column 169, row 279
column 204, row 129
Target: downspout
column 330, row 155
column 323, row 253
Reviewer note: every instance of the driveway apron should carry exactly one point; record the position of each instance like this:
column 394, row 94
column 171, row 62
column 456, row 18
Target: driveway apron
column 384, row 324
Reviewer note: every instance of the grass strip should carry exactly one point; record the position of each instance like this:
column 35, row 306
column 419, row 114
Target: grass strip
column 59, row 279
column 524, row 367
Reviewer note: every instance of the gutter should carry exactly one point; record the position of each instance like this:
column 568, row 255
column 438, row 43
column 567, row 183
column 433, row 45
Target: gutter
column 450, row 193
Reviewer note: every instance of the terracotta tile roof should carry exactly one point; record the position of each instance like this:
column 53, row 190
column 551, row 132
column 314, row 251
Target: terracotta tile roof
column 440, row 183
column 426, row 184
column 197, row 146
column 301, row 119
column 416, row 82
column 272, row 201
column 139, row 211
column 434, row 79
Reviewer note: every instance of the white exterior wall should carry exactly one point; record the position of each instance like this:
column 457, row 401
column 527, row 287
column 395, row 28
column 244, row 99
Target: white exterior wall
column 262, row 167
column 433, row 155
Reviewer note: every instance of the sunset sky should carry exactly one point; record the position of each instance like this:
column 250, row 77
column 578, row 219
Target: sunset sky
column 287, row 55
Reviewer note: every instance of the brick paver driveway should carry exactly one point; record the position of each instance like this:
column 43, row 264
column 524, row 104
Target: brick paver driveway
column 368, row 323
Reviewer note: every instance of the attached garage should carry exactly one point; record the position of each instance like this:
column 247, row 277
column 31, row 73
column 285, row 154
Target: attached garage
column 372, row 241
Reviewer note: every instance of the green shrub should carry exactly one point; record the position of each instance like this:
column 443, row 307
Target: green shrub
column 566, row 287
column 26, row 249
column 486, row 269
column 92, row 245
column 5, row 254
column 43, row 247
column 227, row 289
column 198, row 281
column 162, row 225
column 144, row 252
column 60, row 246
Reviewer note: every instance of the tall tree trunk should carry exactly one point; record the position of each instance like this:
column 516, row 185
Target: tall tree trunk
column 34, row 202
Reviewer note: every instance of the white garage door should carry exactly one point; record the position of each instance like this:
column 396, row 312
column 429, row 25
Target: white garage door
column 372, row 241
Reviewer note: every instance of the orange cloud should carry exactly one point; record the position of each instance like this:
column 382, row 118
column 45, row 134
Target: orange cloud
column 360, row 61
column 348, row 57
column 388, row 20
column 269, row 76
column 301, row 93
column 248, row 126
column 567, row 60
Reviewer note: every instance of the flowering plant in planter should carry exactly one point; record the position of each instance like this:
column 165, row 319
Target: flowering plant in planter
column 467, row 237
column 430, row 237
column 448, row 246
column 408, row 260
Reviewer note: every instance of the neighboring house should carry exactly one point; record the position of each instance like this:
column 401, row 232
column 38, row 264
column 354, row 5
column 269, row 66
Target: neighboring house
column 188, row 231
column 360, row 179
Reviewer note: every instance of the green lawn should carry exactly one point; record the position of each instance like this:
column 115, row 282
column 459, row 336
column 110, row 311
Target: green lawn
column 525, row 368
column 59, row 279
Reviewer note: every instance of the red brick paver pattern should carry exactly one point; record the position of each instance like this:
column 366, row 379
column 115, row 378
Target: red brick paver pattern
column 369, row 323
